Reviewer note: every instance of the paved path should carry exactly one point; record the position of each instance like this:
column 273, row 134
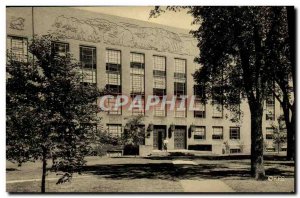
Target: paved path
column 206, row 185
column 184, row 162
column 201, row 185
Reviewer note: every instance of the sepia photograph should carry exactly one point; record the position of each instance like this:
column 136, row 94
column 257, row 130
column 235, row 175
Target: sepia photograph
column 150, row 99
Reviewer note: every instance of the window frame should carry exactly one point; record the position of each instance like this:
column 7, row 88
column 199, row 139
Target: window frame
column 214, row 135
column 93, row 69
column 10, row 38
column 269, row 136
column 238, row 134
column 119, row 127
column 66, row 46
column 203, row 137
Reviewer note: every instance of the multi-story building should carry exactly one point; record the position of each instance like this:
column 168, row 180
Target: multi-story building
column 137, row 58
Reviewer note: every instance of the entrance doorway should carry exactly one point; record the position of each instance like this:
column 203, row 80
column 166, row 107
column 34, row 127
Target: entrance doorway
column 158, row 138
column 180, row 137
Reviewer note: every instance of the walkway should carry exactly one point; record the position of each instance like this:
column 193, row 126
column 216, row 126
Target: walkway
column 201, row 185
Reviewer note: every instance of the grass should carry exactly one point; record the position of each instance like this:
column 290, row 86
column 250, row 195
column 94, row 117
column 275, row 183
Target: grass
column 252, row 185
column 137, row 174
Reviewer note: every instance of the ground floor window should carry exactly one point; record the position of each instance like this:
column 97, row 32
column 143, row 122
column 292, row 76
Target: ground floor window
column 217, row 133
column 269, row 133
column 236, row 150
column 199, row 133
column 234, row 133
column 114, row 130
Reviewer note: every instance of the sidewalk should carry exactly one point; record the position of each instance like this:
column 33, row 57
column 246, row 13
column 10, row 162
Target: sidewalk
column 205, row 186
column 200, row 185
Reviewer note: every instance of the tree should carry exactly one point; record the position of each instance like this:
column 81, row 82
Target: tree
column 51, row 114
column 134, row 131
column 233, row 55
column 281, row 57
column 279, row 136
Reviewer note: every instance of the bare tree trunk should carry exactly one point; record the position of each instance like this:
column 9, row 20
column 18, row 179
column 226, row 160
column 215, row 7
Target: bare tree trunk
column 291, row 138
column 257, row 161
column 291, row 130
column 44, row 174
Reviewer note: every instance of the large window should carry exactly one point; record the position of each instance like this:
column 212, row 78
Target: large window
column 114, row 130
column 60, row 48
column 199, row 133
column 17, row 48
column 234, row 133
column 180, row 108
column 180, row 77
column 137, row 82
column 180, row 87
column 270, row 107
column 88, row 61
column 110, row 103
column 269, row 133
column 113, row 78
column 200, row 112
column 217, row 133
column 217, row 102
column 159, row 83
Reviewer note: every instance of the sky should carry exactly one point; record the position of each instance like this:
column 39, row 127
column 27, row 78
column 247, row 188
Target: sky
column 174, row 19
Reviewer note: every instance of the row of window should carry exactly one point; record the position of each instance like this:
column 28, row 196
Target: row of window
column 217, row 133
column 17, row 46
column 199, row 132
column 270, row 132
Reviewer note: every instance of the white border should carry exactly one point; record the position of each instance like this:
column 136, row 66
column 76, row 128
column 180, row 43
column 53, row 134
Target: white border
column 5, row 3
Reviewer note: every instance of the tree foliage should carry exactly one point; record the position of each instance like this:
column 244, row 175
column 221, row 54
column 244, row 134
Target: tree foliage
column 236, row 57
column 51, row 114
column 134, row 131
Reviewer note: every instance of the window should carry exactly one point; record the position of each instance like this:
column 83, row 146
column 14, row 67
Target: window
column 180, row 66
column 113, row 71
column 60, row 49
column 269, row 133
column 217, row 110
column 159, row 109
column 110, row 103
column 137, row 73
column 180, row 77
column 236, row 150
column 114, row 130
column 113, row 77
column 217, row 133
column 234, row 133
column 137, row 81
column 200, row 112
column 180, row 108
column 113, row 57
column 180, row 86
column 159, row 83
column 217, row 102
column 17, row 48
column 199, row 133
column 88, row 61
column 270, row 107
column 159, row 75
column 139, row 102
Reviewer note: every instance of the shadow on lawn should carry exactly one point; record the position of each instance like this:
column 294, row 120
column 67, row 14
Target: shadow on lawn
column 168, row 171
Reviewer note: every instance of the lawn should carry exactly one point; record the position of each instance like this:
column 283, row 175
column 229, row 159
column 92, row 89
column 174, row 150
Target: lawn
column 135, row 174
